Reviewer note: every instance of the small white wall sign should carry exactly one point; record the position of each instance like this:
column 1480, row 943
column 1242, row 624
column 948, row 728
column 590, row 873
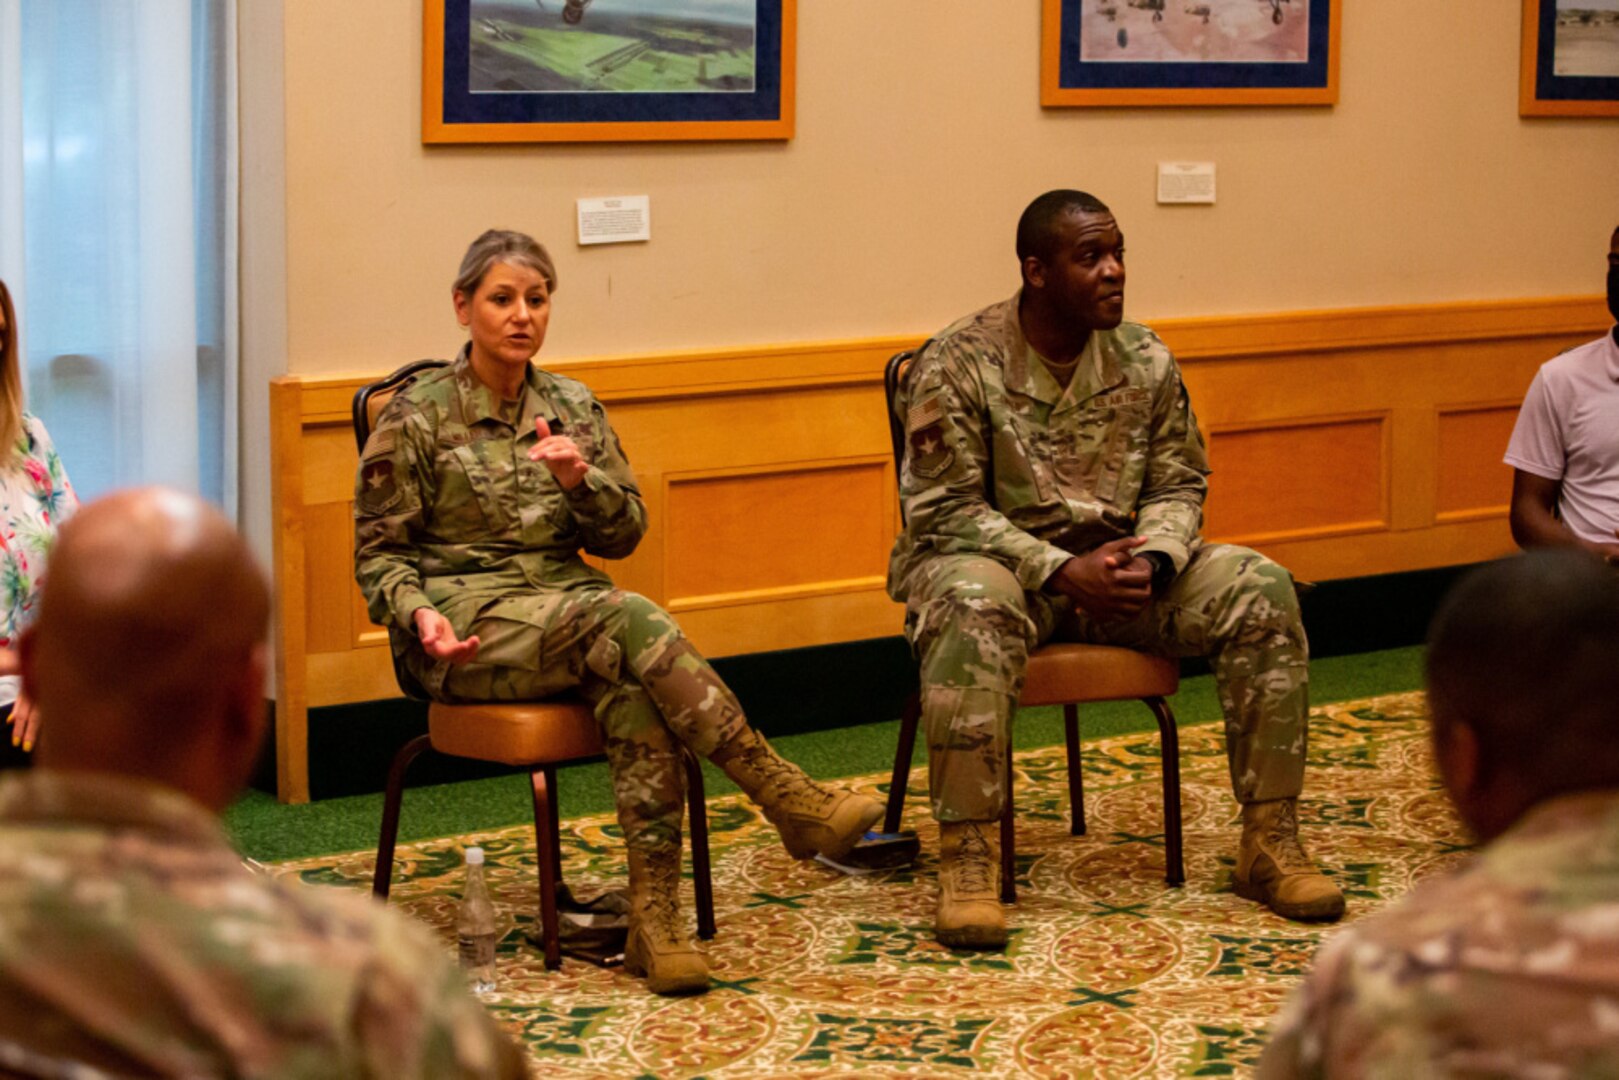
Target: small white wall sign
column 1186, row 182
column 623, row 219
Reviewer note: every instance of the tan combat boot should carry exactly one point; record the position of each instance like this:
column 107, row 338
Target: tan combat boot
column 813, row 819
column 658, row 947
column 969, row 915
column 1273, row 869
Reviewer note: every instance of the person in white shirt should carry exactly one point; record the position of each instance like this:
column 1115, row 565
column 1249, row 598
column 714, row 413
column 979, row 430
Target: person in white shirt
column 1565, row 446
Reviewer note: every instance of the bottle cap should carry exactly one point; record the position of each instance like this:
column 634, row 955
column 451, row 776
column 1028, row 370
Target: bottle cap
column 474, row 856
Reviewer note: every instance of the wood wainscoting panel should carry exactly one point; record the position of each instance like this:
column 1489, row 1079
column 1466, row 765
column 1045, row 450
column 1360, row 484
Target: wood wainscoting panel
column 1344, row 443
column 338, row 678
column 329, row 463
column 1474, row 481
column 329, row 531
column 776, row 532
column 1299, row 479
column 829, row 617
column 289, row 558
column 1454, row 544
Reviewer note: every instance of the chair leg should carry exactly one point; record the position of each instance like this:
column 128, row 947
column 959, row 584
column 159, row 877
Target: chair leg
column 909, row 719
column 382, row 876
column 547, row 844
column 1169, row 738
column 1008, row 848
column 555, row 808
column 1076, row 773
column 701, row 871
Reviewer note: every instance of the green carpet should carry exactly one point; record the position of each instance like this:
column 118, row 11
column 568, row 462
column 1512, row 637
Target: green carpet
column 266, row 830
column 1108, row 973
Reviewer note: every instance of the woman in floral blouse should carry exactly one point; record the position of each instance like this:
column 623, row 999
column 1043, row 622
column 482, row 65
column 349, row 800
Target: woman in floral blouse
column 35, row 498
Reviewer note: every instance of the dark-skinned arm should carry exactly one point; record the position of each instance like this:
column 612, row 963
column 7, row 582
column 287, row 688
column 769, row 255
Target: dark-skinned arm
column 1534, row 517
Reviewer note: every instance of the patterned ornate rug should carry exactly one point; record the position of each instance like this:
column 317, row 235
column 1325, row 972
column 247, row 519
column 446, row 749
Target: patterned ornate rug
column 1109, row 973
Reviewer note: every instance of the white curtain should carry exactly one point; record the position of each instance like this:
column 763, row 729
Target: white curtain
column 118, row 234
column 11, row 230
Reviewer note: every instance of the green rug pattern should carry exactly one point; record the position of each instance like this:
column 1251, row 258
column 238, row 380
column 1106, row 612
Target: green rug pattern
column 1110, row 973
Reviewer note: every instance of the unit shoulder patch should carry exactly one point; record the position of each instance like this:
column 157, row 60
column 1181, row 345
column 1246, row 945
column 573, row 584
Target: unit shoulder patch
column 379, row 491
column 931, row 454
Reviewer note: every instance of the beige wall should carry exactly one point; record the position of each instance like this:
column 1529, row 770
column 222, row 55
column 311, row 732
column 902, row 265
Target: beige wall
column 920, row 138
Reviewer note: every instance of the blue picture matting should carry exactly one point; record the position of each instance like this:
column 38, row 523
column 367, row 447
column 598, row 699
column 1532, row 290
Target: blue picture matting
column 1553, row 87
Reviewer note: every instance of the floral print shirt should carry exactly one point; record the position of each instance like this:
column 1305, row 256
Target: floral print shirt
column 35, row 498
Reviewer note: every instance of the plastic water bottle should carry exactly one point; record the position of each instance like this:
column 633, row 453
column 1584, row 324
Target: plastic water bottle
column 475, row 927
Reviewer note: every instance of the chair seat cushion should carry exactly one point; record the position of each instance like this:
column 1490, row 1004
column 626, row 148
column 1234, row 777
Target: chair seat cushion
column 1061, row 673
column 516, row 732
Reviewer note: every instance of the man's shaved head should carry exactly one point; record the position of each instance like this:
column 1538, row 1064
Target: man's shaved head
column 1525, row 654
column 149, row 644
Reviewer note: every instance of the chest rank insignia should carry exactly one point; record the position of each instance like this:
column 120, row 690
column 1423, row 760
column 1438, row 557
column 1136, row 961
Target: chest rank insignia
column 930, row 455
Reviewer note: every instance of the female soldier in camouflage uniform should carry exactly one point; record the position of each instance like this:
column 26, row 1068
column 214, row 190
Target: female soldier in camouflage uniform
column 477, row 490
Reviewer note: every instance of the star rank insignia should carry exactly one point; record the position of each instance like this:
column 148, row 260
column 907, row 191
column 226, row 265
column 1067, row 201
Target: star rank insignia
column 378, row 492
column 930, row 454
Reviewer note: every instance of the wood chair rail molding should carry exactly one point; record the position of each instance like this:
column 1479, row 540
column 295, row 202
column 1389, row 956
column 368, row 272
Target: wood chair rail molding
column 1344, row 442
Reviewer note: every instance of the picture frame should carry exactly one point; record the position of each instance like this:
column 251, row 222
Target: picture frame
column 540, row 71
column 1182, row 52
column 1569, row 64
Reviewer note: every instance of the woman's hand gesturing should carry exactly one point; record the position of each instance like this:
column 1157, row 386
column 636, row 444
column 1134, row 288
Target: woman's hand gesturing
column 560, row 454
column 438, row 638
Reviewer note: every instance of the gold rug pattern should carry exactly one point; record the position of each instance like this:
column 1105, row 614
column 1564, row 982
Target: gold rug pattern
column 1110, row 973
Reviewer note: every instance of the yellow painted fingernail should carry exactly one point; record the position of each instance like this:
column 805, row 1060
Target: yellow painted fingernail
column 28, row 747
column 16, row 737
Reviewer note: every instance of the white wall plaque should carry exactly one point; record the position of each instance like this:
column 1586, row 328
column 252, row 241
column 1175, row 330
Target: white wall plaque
column 622, row 219
column 1186, row 182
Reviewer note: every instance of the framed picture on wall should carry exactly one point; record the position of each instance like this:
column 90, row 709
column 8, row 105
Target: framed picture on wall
column 606, row 70
column 1570, row 64
column 1189, row 52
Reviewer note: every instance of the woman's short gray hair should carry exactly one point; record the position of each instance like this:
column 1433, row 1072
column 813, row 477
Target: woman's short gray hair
column 507, row 246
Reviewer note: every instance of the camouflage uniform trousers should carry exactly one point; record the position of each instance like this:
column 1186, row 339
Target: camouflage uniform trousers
column 650, row 688
column 972, row 626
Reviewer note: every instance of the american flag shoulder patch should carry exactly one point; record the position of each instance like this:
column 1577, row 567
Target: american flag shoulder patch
column 923, row 413
column 382, row 441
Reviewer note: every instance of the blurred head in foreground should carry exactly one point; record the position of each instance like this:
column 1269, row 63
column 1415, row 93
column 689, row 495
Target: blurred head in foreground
column 1523, row 684
column 148, row 653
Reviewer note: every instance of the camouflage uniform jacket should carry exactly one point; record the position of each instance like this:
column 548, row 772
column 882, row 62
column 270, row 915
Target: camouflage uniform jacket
column 1002, row 461
column 1507, row 967
column 450, row 512
column 134, row 941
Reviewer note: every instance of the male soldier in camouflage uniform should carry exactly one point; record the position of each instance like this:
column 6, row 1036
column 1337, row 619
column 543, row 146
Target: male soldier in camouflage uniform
column 133, row 942
column 471, row 508
column 1053, row 486
column 1508, row 966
